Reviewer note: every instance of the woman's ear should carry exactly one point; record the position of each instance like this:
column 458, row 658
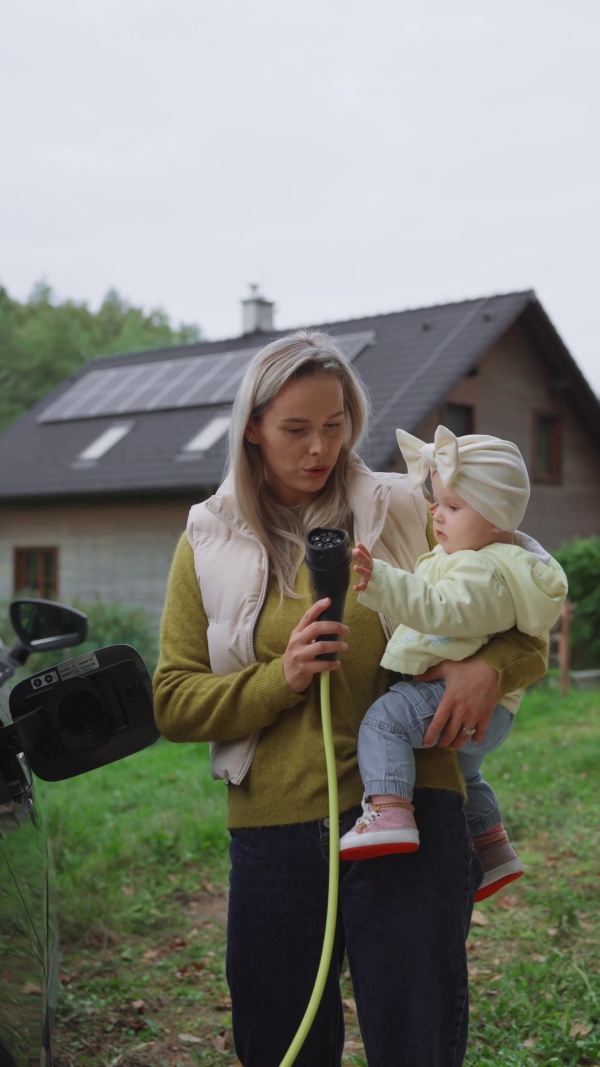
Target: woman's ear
column 249, row 434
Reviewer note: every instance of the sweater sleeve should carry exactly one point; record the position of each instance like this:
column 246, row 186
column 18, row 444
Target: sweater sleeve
column 190, row 702
column 518, row 658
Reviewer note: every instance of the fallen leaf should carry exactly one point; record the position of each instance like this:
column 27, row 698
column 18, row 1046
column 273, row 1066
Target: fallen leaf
column 529, row 1043
column 31, row 989
column 220, row 1042
column 350, row 1045
column 177, row 942
column 579, row 1028
column 479, row 919
column 539, row 959
column 139, row 1048
column 189, row 1039
column 552, row 931
column 127, row 889
column 507, row 901
column 349, row 1005
column 137, row 1004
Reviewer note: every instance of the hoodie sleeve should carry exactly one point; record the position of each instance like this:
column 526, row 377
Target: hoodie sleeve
column 470, row 600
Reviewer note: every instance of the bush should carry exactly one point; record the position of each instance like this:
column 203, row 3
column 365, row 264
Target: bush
column 116, row 623
column 581, row 563
column 109, row 623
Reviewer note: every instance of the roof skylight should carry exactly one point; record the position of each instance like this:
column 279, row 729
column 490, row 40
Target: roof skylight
column 107, row 440
column 209, row 435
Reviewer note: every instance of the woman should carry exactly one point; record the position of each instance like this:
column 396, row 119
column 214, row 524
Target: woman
column 238, row 666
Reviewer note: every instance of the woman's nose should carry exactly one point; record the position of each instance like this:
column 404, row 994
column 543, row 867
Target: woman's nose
column 318, row 444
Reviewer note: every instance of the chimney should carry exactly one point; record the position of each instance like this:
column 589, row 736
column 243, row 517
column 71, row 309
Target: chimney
column 257, row 313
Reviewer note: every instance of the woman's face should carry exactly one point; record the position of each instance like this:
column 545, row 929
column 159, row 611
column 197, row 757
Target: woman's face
column 300, row 436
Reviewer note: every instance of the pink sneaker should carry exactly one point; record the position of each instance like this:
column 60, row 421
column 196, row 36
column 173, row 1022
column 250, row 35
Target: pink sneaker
column 380, row 831
column 499, row 860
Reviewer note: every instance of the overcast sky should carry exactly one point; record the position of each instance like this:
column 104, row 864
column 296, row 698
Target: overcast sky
column 350, row 157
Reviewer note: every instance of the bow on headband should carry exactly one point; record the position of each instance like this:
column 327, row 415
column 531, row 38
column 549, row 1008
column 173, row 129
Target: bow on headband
column 441, row 456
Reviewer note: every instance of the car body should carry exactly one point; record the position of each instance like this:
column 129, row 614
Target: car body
column 64, row 720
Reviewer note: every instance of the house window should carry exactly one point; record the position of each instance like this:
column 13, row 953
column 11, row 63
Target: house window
column 459, row 418
column 36, row 571
column 547, row 447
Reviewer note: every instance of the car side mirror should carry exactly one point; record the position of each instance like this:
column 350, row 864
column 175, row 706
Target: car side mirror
column 82, row 713
column 43, row 625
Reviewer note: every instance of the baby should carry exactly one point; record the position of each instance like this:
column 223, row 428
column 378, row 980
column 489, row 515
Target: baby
column 482, row 578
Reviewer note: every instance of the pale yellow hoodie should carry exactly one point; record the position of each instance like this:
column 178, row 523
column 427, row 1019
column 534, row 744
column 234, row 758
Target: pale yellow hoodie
column 454, row 603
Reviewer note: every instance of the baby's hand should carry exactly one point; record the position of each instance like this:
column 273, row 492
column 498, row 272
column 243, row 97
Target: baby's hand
column 363, row 567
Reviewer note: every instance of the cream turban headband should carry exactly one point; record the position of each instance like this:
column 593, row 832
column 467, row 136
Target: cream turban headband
column 489, row 474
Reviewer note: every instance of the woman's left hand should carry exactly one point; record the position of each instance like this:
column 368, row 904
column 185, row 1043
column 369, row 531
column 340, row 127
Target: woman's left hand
column 468, row 702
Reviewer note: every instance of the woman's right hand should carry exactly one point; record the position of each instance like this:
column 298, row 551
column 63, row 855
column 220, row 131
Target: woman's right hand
column 300, row 663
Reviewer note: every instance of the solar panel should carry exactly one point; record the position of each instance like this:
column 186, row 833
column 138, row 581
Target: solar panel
column 182, row 382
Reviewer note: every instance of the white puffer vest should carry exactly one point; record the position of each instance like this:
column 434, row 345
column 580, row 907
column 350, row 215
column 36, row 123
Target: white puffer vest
column 232, row 569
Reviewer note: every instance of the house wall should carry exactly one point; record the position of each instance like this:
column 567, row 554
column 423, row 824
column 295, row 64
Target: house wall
column 114, row 551
column 511, row 384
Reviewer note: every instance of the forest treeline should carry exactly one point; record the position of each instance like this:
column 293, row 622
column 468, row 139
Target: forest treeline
column 43, row 340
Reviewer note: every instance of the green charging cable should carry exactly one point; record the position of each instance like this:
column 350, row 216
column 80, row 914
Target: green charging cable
column 334, row 879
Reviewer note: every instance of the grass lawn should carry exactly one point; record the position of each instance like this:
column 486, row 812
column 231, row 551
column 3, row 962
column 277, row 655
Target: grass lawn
column 141, row 856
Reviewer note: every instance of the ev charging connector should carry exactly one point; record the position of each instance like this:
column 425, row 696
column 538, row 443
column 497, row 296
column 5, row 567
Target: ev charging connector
column 328, row 558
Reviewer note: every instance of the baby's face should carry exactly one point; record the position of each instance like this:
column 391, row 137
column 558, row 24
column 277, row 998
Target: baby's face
column 455, row 523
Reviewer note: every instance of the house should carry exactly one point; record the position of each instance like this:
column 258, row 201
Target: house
column 97, row 478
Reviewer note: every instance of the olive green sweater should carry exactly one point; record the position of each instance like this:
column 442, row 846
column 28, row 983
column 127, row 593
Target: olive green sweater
column 287, row 780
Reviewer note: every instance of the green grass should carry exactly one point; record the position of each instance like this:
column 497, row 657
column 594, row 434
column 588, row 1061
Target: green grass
column 121, row 833
column 535, row 987
column 141, row 854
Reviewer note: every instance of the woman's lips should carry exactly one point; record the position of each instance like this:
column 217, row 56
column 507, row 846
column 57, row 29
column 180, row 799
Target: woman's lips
column 316, row 472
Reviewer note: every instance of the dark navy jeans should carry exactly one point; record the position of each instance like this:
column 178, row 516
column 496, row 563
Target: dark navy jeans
column 403, row 921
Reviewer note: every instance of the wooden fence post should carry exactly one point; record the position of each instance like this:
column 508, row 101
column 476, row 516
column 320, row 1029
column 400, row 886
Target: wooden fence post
column 563, row 646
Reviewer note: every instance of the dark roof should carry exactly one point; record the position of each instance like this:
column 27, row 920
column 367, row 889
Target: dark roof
column 414, row 360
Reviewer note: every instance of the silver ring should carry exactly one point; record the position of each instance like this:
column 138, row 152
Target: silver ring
column 469, row 732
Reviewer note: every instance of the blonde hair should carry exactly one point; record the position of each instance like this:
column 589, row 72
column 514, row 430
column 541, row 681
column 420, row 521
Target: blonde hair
column 280, row 529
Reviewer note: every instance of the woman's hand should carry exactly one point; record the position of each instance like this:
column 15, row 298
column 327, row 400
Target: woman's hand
column 470, row 698
column 363, row 567
column 300, row 663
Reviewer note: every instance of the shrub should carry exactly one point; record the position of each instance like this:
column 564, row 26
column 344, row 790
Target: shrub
column 116, row 623
column 581, row 563
column 109, row 623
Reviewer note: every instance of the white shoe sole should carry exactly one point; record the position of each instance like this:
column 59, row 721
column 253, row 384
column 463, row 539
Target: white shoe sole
column 510, row 867
column 498, row 878
column 367, row 845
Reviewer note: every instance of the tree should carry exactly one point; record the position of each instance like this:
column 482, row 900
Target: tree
column 42, row 341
